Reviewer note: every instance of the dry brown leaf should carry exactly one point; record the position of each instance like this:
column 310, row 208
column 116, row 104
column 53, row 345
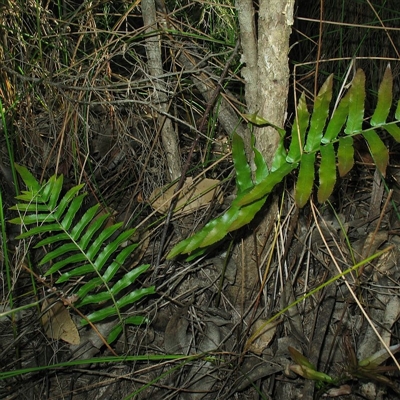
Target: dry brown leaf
column 262, row 334
column 191, row 197
column 57, row 322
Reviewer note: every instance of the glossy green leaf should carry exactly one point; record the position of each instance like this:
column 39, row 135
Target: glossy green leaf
column 267, row 185
column 29, row 180
column 25, row 196
column 123, row 283
column 110, row 311
column 385, row 97
column 345, row 155
column 242, row 168
column 99, row 241
column 115, row 266
column 279, row 158
column 378, row 357
column 300, row 359
column 117, row 329
column 319, row 116
column 73, row 208
column 38, row 230
column 312, row 374
column 260, row 121
column 299, row 129
column 92, row 230
column 305, row 180
column 58, row 252
column 397, row 113
column 337, row 120
column 55, row 191
column 78, row 271
column 378, row 150
column 84, row 222
column 50, row 190
column 74, row 259
column 106, row 253
column 54, row 238
column 394, row 131
column 86, row 247
column 356, row 103
column 30, row 207
column 67, row 198
column 327, row 172
column 36, row 219
column 261, row 166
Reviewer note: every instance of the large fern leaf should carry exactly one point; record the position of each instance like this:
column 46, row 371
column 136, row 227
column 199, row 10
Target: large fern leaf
column 80, row 247
column 319, row 137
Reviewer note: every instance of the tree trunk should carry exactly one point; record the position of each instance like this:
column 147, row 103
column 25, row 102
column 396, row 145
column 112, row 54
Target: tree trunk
column 153, row 51
column 266, row 73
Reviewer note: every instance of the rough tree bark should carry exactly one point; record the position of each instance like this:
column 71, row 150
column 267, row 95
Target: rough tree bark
column 265, row 48
column 153, row 51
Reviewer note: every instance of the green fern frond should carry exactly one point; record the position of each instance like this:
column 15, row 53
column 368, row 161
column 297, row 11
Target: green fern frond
column 316, row 136
column 85, row 245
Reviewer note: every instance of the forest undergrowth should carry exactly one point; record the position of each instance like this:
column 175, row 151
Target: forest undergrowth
column 92, row 306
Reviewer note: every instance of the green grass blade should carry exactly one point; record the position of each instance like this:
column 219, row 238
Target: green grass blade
column 327, row 172
column 385, row 97
column 378, row 150
column 299, row 129
column 319, row 116
column 356, row 104
column 305, row 180
column 345, row 155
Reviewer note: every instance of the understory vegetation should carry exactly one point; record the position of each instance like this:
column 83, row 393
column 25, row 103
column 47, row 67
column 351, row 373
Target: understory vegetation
column 130, row 175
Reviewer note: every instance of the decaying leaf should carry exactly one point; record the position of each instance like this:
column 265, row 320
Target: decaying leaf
column 192, row 196
column 57, row 322
column 262, row 334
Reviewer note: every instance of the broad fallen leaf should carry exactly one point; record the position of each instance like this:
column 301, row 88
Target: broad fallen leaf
column 262, row 334
column 57, row 322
